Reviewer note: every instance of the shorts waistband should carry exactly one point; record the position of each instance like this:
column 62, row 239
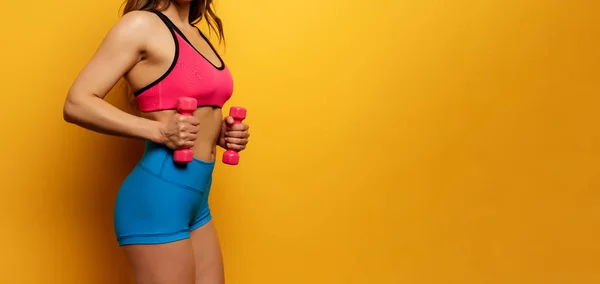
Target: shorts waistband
column 158, row 159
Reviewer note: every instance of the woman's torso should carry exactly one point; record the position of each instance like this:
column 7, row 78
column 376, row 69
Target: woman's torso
column 195, row 56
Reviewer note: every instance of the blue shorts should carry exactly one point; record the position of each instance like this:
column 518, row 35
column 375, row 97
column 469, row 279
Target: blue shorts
column 162, row 201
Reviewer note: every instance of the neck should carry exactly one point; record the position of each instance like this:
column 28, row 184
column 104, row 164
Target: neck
column 178, row 11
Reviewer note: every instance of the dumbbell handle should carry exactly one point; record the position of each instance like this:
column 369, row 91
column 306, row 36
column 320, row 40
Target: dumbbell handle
column 232, row 157
column 185, row 106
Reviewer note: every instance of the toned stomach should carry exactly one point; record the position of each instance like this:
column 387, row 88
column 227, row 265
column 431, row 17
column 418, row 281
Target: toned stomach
column 210, row 119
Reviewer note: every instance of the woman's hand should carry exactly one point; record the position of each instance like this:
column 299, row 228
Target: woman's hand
column 233, row 136
column 179, row 132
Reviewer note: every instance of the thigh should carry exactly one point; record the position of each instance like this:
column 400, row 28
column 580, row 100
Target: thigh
column 207, row 255
column 170, row 263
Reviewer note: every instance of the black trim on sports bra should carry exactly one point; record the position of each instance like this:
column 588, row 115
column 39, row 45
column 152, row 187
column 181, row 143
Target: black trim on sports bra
column 172, row 25
column 214, row 50
column 168, row 23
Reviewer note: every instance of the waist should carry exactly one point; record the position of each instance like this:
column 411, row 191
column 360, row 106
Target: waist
column 208, row 132
column 158, row 160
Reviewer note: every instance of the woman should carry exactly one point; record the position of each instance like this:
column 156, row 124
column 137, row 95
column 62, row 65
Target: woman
column 162, row 218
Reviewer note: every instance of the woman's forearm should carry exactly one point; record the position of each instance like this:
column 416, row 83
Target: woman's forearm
column 95, row 114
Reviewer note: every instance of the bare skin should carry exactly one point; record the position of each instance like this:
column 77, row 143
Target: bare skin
column 140, row 49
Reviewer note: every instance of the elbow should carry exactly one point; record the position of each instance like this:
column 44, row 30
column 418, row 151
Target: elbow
column 70, row 110
column 68, row 113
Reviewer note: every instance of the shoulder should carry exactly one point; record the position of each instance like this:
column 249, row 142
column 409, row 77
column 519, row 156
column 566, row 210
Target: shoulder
column 139, row 20
column 135, row 26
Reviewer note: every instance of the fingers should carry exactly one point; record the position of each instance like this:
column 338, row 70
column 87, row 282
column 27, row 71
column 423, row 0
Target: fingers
column 237, row 134
column 238, row 127
column 184, row 144
column 236, row 147
column 185, row 140
column 229, row 120
column 187, row 136
column 237, row 141
column 192, row 120
column 188, row 128
column 187, row 123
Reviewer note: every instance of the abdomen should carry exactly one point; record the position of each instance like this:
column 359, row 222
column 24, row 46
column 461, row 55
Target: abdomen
column 209, row 129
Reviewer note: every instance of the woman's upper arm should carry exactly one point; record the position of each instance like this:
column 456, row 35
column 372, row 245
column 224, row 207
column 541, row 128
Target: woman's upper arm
column 120, row 50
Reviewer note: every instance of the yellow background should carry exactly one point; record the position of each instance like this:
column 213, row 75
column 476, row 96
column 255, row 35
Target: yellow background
column 393, row 142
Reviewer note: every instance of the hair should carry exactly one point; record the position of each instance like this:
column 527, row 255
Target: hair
column 199, row 9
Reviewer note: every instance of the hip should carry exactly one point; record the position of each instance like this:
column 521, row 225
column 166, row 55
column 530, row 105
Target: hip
column 158, row 161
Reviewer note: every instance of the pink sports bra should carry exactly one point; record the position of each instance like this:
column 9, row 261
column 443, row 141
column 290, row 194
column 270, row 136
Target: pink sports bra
column 190, row 75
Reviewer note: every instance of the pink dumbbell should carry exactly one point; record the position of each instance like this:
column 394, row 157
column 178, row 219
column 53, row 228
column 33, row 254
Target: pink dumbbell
column 232, row 157
column 185, row 106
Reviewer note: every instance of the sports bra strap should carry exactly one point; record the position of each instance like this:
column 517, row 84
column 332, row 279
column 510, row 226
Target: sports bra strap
column 165, row 19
